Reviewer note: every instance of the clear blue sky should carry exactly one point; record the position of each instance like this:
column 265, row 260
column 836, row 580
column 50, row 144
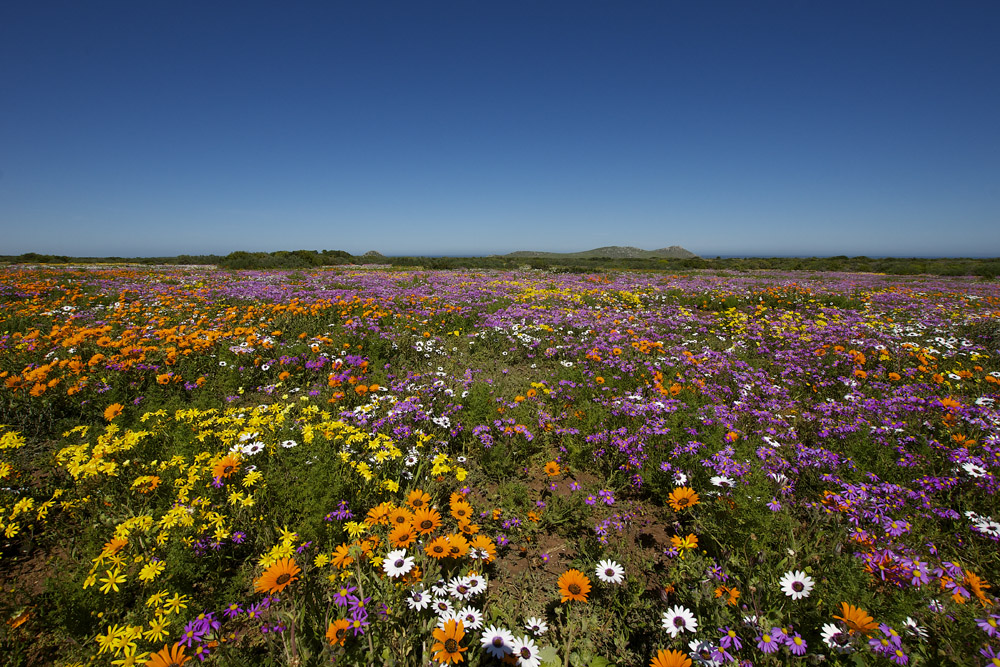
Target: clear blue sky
column 479, row 127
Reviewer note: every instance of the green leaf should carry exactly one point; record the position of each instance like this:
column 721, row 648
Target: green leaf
column 599, row 662
column 549, row 657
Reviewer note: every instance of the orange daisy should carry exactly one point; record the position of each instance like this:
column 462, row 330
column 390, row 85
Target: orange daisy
column 418, row 499
column 276, row 577
column 682, row 498
column 336, row 633
column 857, row 619
column 437, row 548
column 226, row 466
column 574, row 585
column 168, row 657
column 426, row 520
column 447, row 649
column 402, row 536
column 458, row 546
column 400, row 516
column 670, row 659
column 461, row 510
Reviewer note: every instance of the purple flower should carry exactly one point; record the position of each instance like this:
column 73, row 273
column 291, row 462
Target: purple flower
column 239, row 536
column 730, row 639
column 343, row 595
column 989, row 625
column 766, row 643
column 232, row 611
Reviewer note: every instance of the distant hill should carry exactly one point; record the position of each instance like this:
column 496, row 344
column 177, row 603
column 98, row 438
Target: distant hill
column 613, row 252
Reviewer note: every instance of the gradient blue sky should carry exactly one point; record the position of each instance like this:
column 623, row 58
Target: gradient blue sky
column 475, row 127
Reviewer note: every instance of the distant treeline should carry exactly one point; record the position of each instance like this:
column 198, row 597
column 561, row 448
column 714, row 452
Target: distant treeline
column 305, row 259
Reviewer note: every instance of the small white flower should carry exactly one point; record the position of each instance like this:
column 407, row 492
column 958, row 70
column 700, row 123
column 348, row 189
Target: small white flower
column 536, row 626
column 450, row 615
column 796, row 584
column 974, row 470
column 441, row 606
column 477, row 584
column 722, row 481
column 418, row 600
column 288, row 444
column 677, row 620
column 498, row 642
column 610, row 572
column 701, row 651
column 913, row 628
column 837, row 638
column 526, row 652
column 459, row 588
column 471, row 617
column 397, row 563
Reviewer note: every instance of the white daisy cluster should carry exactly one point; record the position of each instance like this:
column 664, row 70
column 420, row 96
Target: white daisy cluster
column 985, row 525
column 501, row 643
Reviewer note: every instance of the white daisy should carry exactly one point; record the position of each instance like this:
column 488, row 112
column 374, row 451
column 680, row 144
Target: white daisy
column 440, row 588
column 610, row 572
column 477, row 583
column 288, row 444
column 441, row 606
column 677, row 620
column 255, row 447
column 722, row 481
column 796, row 584
column 536, row 626
column 418, row 600
column 701, row 651
column 974, row 470
column 471, row 617
column 459, row 588
column 397, row 563
column 913, row 628
column 450, row 615
column 498, row 642
column 837, row 638
column 526, row 652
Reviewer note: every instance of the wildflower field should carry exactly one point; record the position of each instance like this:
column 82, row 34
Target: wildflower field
column 365, row 466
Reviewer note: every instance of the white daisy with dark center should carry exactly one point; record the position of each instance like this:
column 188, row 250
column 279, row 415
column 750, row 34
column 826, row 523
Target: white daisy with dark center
column 526, row 652
column 498, row 642
column 796, row 584
column 610, row 572
column 397, row 563
column 677, row 620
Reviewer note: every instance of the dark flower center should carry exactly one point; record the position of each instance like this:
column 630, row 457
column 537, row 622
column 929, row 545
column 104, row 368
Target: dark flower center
column 574, row 589
column 450, row 645
column 497, row 642
column 283, row 579
column 399, row 563
column 678, row 622
column 426, row 524
column 525, row 653
column 609, row 572
column 798, row 586
column 461, row 590
column 227, row 470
